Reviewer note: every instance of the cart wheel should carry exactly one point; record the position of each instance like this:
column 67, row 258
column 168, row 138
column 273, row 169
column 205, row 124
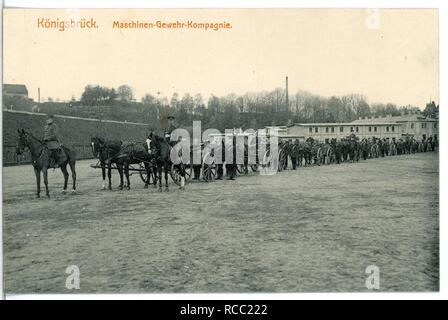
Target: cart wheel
column 144, row 176
column 329, row 157
column 176, row 175
column 242, row 169
column 208, row 168
column 254, row 167
column 269, row 161
column 188, row 172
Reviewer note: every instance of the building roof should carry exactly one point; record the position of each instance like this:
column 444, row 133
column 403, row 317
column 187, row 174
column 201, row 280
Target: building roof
column 403, row 118
column 324, row 124
column 15, row 89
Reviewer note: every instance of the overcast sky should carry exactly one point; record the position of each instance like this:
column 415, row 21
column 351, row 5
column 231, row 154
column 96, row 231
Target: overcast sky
column 389, row 57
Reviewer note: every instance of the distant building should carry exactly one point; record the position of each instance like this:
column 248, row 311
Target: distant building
column 271, row 130
column 413, row 124
column 407, row 125
column 15, row 90
column 324, row 132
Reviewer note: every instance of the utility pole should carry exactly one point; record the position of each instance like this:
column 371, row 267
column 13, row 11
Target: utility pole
column 38, row 95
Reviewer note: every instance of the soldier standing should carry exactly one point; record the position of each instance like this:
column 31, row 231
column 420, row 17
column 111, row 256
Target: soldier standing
column 294, row 154
column 231, row 163
column 221, row 149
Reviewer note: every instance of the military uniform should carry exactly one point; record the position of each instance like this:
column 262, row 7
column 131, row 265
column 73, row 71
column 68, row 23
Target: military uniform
column 168, row 131
column 232, row 167
column 51, row 136
column 53, row 143
column 295, row 154
column 220, row 169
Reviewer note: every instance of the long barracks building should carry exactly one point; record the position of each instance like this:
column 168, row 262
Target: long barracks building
column 414, row 125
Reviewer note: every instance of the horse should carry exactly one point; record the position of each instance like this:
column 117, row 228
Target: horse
column 161, row 151
column 40, row 157
column 106, row 151
column 134, row 153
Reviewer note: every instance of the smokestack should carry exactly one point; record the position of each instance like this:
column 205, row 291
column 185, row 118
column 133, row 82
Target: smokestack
column 287, row 95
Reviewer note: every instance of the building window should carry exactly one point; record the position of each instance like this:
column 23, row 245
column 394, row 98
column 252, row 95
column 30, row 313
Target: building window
column 316, row 129
column 375, row 129
column 327, row 129
column 332, row 129
column 387, row 129
column 435, row 125
column 412, row 126
column 393, row 128
column 341, row 129
column 370, row 129
column 357, row 129
column 327, row 140
column 351, row 129
column 311, row 130
column 423, row 125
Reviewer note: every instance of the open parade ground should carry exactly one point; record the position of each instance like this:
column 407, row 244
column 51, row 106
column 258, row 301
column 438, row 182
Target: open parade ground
column 314, row 229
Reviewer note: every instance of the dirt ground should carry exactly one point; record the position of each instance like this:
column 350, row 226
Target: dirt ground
column 314, row 229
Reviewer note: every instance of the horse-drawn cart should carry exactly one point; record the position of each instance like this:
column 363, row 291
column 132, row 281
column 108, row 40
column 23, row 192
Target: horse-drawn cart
column 143, row 173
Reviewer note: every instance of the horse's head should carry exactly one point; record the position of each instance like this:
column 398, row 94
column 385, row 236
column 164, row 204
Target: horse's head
column 22, row 143
column 97, row 145
column 149, row 146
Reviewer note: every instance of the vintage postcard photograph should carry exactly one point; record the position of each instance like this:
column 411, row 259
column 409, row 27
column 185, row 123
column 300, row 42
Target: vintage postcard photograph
column 220, row 150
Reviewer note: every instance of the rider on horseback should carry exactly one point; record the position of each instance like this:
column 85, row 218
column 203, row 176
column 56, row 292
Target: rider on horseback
column 170, row 128
column 52, row 141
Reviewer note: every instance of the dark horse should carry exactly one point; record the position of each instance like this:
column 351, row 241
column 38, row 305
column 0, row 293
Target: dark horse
column 137, row 153
column 161, row 151
column 107, row 152
column 123, row 155
column 40, row 157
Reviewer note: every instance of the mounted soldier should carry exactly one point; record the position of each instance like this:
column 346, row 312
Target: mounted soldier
column 170, row 128
column 53, row 143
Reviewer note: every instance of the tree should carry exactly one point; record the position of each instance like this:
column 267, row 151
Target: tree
column 174, row 100
column 96, row 95
column 125, row 93
column 187, row 103
column 431, row 110
column 149, row 100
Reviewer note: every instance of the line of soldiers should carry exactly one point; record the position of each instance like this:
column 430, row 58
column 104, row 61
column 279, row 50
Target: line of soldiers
column 349, row 149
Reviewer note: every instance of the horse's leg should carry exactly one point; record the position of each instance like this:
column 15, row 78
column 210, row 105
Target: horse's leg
column 103, row 171
column 37, row 172
column 109, row 175
column 65, row 174
column 148, row 175
column 120, row 172
column 182, row 177
column 166, row 177
column 45, row 172
column 154, row 169
column 126, row 173
column 159, row 173
column 72, row 165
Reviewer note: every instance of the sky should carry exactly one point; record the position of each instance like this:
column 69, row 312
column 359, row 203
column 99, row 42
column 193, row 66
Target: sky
column 389, row 55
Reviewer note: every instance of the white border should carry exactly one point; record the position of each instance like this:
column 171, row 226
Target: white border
column 443, row 67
